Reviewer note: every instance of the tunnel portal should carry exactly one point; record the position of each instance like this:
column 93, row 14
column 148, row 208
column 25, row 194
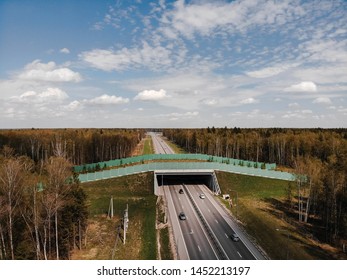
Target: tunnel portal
column 169, row 177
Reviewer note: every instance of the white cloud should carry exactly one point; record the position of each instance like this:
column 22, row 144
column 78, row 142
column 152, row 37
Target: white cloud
column 49, row 72
column 108, row 60
column 249, row 100
column 302, row 87
column 268, row 71
column 204, row 18
column 328, row 73
column 50, row 95
column 294, row 105
column 210, row 102
column 65, row 50
column 322, row 100
column 107, row 100
column 151, row 95
column 73, row 106
column 177, row 116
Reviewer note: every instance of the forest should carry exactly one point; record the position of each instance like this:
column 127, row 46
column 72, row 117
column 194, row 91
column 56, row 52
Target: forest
column 43, row 211
column 317, row 156
column 79, row 145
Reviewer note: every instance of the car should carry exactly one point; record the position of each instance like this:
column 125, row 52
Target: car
column 202, row 196
column 180, row 191
column 235, row 237
column 182, row 216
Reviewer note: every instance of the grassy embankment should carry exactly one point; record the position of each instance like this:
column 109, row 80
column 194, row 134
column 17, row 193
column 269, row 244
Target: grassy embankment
column 174, row 147
column 262, row 213
column 148, row 146
column 137, row 192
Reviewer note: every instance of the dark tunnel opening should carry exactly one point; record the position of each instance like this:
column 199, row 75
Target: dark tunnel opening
column 178, row 179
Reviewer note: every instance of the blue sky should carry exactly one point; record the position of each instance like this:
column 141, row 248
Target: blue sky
column 249, row 63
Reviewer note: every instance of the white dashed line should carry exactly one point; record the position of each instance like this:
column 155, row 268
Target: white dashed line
column 239, row 254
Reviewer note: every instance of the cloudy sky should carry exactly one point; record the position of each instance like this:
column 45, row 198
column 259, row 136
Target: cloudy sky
column 246, row 63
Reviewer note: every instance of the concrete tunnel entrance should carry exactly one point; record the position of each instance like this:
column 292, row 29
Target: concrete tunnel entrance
column 171, row 177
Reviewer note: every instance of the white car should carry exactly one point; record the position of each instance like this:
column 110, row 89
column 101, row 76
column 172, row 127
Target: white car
column 202, row 196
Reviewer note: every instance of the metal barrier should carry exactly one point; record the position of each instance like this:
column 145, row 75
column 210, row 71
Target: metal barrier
column 141, row 159
column 153, row 166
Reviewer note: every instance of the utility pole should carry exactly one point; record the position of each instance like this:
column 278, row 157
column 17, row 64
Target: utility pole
column 110, row 208
column 125, row 222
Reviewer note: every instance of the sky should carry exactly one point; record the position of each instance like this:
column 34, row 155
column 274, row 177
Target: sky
column 167, row 64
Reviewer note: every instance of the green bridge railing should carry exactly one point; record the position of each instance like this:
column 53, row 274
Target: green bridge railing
column 152, row 157
column 157, row 166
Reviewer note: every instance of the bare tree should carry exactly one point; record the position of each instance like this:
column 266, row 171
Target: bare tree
column 59, row 170
column 12, row 172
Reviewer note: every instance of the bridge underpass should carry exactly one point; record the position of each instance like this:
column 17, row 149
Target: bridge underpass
column 205, row 233
column 175, row 177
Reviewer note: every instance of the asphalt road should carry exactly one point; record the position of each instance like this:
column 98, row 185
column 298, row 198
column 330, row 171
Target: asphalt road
column 235, row 250
column 197, row 243
column 159, row 145
column 191, row 237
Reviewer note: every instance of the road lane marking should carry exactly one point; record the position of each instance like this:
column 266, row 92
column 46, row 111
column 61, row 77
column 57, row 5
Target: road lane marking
column 226, row 235
column 239, row 254
column 199, row 248
column 216, row 221
column 208, row 210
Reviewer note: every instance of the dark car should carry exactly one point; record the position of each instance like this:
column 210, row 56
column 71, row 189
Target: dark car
column 182, row 216
column 235, row 237
column 180, row 191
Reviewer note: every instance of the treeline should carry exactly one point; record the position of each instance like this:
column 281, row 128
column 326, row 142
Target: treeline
column 79, row 145
column 279, row 145
column 43, row 212
column 318, row 156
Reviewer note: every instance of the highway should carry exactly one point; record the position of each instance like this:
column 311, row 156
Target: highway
column 159, row 145
column 195, row 238
column 206, row 232
column 221, row 229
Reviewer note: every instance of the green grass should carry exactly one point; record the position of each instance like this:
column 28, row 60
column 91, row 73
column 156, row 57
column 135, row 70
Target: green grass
column 148, row 147
column 165, row 249
column 177, row 149
column 136, row 191
column 261, row 211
